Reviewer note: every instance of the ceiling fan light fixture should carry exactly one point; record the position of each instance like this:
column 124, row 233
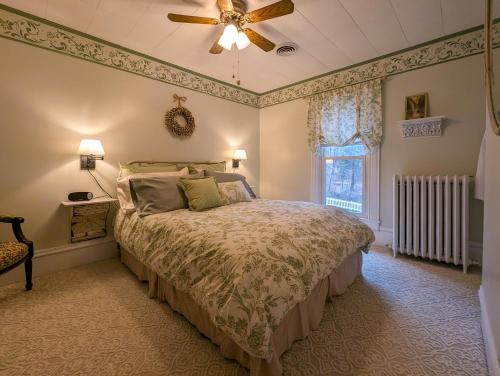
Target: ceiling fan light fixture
column 229, row 37
column 242, row 41
column 233, row 15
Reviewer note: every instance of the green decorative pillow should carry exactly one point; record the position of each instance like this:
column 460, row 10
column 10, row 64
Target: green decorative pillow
column 202, row 193
column 136, row 168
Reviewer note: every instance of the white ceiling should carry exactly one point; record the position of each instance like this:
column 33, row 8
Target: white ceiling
column 331, row 34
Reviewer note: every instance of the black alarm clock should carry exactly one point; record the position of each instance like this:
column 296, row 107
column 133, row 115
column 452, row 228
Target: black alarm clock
column 80, row 196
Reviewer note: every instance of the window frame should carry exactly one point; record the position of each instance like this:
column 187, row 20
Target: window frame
column 371, row 200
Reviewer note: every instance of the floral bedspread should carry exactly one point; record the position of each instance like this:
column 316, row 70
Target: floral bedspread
column 248, row 263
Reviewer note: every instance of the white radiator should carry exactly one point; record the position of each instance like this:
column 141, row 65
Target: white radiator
column 431, row 218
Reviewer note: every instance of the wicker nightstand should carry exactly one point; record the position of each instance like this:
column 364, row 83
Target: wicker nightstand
column 88, row 218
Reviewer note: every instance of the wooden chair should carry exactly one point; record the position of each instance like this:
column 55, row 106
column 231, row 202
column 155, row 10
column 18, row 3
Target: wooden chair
column 13, row 254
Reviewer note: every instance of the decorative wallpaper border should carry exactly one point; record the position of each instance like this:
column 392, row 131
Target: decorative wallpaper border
column 466, row 43
column 23, row 27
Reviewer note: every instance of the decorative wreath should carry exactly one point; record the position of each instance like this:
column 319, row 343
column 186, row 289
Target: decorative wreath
column 173, row 126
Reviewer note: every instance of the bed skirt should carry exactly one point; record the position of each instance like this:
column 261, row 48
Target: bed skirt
column 297, row 324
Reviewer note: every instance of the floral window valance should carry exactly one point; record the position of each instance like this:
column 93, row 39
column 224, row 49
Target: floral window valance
column 342, row 116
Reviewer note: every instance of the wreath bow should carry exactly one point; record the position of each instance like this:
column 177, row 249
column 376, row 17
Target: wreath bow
column 179, row 100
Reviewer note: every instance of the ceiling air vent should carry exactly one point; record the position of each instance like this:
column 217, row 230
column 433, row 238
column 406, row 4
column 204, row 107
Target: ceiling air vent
column 287, row 49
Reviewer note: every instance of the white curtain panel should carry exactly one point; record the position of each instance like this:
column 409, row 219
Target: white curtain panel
column 479, row 179
column 342, row 116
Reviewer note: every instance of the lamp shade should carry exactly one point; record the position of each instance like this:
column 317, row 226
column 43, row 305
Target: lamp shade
column 242, row 41
column 240, row 155
column 229, row 37
column 91, row 147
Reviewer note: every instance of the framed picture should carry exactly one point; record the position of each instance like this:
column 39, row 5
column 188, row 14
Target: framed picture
column 416, row 106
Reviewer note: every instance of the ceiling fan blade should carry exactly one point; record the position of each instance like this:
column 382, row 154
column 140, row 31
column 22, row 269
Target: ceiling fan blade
column 278, row 9
column 225, row 5
column 192, row 19
column 259, row 40
column 216, row 48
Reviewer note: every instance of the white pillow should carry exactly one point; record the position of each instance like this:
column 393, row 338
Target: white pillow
column 123, row 186
column 233, row 192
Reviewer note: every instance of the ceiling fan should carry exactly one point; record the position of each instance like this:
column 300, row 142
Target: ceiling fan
column 234, row 15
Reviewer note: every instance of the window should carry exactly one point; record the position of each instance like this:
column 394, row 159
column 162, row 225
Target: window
column 348, row 177
column 344, row 176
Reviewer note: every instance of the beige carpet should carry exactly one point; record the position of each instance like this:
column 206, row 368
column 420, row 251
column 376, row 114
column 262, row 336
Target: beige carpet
column 404, row 317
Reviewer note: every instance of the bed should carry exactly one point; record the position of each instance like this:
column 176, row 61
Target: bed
column 251, row 276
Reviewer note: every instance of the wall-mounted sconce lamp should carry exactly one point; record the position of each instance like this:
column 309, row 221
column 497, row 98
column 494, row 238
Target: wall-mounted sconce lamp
column 239, row 155
column 90, row 151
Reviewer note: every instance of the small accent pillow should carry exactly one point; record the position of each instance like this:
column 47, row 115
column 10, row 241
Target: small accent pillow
column 123, row 186
column 153, row 195
column 233, row 192
column 225, row 177
column 202, row 193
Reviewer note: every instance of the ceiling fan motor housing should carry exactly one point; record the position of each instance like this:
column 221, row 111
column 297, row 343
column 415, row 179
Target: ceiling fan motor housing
column 239, row 6
column 235, row 16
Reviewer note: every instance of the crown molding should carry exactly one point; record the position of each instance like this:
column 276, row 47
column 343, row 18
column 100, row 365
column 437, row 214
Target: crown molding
column 35, row 31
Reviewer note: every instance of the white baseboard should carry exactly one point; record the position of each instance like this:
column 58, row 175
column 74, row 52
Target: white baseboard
column 383, row 237
column 489, row 343
column 64, row 257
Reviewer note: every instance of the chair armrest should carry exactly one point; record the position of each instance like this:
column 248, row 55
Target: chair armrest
column 18, row 233
column 10, row 219
column 16, row 228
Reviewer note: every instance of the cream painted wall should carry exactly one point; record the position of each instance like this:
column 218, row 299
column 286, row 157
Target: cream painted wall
column 456, row 90
column 48, row 102
column 285, row 167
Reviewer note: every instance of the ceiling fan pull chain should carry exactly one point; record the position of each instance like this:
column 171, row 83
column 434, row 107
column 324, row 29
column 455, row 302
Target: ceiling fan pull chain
column 238, row 72
column 232, row 52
